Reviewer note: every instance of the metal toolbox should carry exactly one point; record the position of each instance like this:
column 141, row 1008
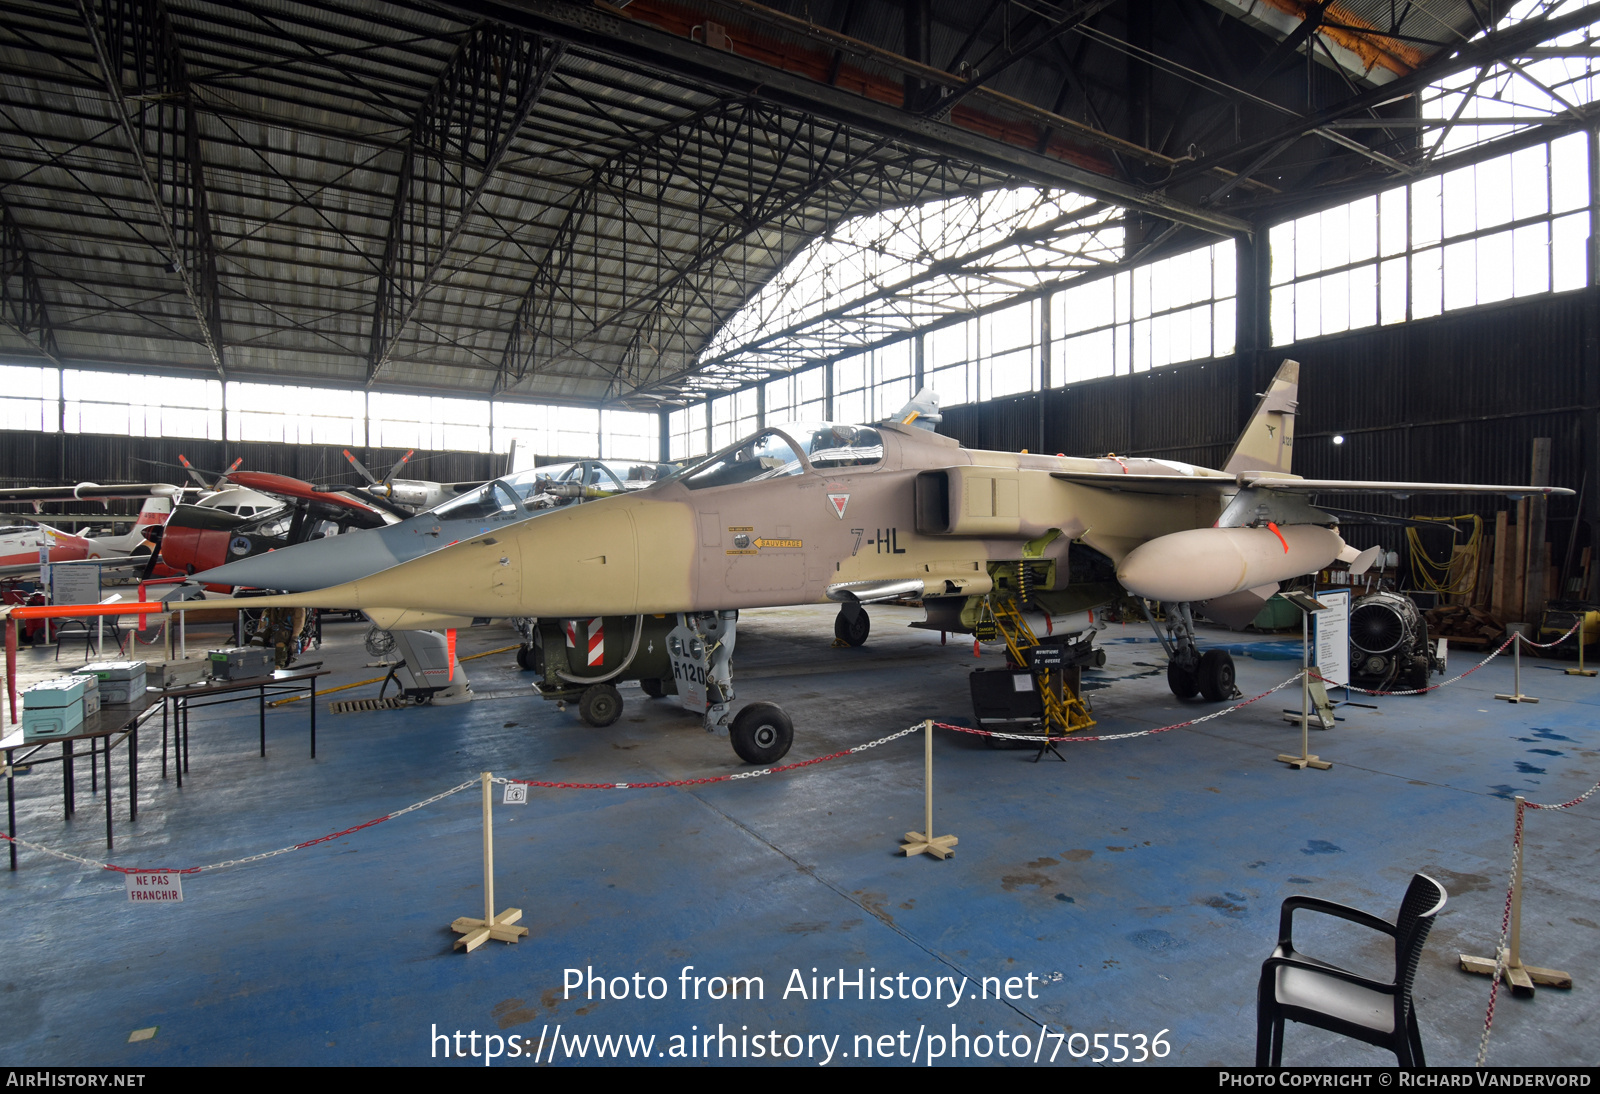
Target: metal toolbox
column 1005, row 698
column 179, row 674
column 242, row 663
column 91, row 698
column 60, row 692
column 53, row 708
column 121, row 682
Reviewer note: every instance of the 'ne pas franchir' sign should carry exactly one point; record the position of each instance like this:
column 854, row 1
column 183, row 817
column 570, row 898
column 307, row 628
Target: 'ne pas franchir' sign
column 154, row 886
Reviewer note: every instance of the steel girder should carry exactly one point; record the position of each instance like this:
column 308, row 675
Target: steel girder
column 22, row 306
column 147, row 80
column 460, row 135
column 973, row 272
column 736, row 76
column 760, row 180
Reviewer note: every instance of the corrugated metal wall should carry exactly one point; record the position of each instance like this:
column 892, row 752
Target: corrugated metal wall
column 49, row 459
column 1459, row 398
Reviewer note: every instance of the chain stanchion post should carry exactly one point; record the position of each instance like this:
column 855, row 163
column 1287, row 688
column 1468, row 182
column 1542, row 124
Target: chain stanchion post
column 1516, row 695
column 1307, row 605
column 925, row 842
column 475, row 932
column 1583, row 618
column 1521, row 977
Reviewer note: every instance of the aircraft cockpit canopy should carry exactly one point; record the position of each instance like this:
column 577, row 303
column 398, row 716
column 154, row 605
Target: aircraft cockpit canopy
column 492, row 500
column 774, row 454
column 829, row 445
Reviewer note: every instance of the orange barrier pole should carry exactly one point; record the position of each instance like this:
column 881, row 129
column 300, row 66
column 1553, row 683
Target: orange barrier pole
column 60, row 611
column 11, row 666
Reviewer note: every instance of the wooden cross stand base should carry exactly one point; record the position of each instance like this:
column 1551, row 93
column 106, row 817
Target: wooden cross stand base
column 475, row 932
column 925, row 842
column 1521, row 977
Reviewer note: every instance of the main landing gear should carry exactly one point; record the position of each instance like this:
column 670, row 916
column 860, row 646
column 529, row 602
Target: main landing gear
column 851, row 625
column 1190, row 672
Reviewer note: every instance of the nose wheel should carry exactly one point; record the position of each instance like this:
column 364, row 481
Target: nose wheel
column 761, row 733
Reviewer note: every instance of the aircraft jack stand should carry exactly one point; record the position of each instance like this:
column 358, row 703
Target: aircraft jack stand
column 1048, row 744
column 925, row 842
column 1521, row 977
column 475, row 932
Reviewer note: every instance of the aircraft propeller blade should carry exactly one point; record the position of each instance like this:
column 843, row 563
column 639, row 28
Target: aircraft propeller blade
column 357, row 464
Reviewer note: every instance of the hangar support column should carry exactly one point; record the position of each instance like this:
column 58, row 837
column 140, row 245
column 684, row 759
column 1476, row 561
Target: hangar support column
column 1252, row 322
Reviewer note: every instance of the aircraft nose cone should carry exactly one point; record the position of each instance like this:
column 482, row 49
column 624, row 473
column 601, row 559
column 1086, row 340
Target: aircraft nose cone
column 305, row 566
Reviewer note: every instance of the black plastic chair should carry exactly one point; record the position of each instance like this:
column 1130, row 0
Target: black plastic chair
column 1297, row 988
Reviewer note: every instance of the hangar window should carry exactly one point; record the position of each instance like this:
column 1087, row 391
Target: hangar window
column 798, row 395
column 427, row 421
column 548, row 430
column 866, row 386
column 1482, row 105
column 628, row 436
column 28, row 398
column 733, row 416
column 1162, row 313
column 1508, row 227
column 686, row 430
column 878, row 276
column 296, row 415
column 136, row 405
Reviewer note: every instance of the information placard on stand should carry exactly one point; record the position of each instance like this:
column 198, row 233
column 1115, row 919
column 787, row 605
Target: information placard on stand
column 1330, row 637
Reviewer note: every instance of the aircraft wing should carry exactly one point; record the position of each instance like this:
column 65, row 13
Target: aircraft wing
column 1349, row 486
column 116, row 562
column 88, row 491
column 1180, row 485
column 1214, row 485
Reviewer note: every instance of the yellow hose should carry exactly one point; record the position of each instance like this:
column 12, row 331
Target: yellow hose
column 381, row 679
column 1424, row 569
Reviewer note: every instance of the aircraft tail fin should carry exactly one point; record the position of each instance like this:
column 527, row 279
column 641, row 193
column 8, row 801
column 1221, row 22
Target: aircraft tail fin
column 1267, row 443
column 922, row 411
column 155, row 510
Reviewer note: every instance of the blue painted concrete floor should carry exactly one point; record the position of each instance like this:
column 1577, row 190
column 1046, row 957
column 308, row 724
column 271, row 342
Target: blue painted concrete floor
column 1131, row 892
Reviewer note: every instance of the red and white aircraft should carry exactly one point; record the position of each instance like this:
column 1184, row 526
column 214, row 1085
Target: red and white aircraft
column 26, row 544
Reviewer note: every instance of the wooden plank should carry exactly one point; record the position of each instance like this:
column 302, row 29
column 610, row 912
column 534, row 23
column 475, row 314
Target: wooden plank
column 1502, row 562
column 1515, row 595
column 1538, row 510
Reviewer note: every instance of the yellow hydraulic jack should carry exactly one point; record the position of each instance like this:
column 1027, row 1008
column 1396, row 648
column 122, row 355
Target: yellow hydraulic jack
column 1059, row 686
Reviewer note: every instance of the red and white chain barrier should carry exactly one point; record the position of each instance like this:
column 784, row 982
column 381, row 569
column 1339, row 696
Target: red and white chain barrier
column 713, row 778
column 1073, row 738
column 97, row 865
column 1500, row 951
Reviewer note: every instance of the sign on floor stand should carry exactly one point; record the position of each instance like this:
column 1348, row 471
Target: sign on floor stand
column 1309, row 606
column 1521, row 977
column 925, row 842
column 475, row 932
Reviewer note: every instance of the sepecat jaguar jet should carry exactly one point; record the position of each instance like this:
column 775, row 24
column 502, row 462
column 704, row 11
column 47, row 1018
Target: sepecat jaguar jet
column 818, row 512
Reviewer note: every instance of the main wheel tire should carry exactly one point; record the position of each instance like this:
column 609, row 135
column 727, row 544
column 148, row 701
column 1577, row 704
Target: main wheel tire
column 1185, row 683
column 652, row 687
column 1216, row 675
column 525, row 658
column 600, row 705
column 761, row 733
column 850, row 631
